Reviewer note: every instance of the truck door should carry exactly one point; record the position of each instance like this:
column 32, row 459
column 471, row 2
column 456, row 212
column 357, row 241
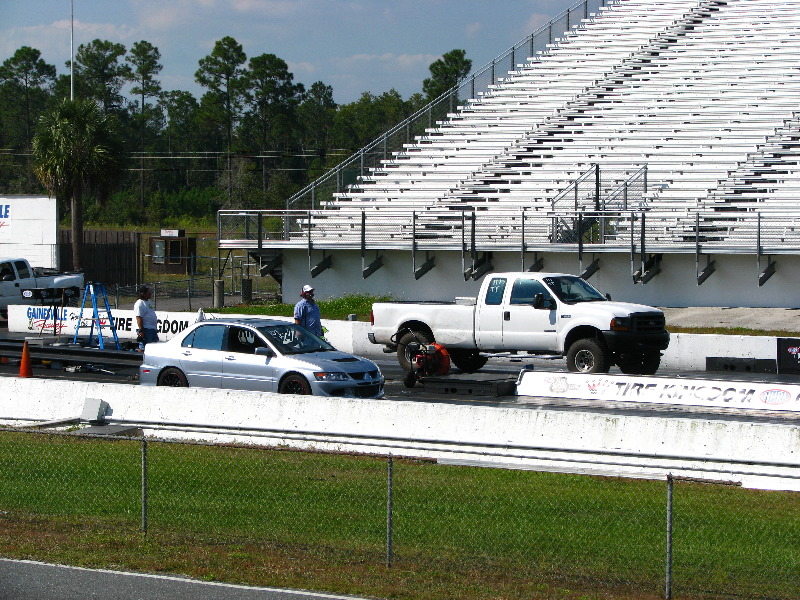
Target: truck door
column 526, row 327
column 10, row 291
column 25, row 277
column 489, row 315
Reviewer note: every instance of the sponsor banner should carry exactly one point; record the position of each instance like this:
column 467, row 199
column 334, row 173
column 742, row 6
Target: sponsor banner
column 63, row 321
column 661, row 390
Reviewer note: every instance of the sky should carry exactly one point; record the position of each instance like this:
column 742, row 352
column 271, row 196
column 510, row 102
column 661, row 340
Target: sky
column 354, row 46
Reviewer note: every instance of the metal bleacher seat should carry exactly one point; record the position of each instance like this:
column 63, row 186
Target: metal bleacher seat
column 704, row 92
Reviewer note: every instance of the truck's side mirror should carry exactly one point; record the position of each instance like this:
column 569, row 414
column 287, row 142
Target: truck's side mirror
column 538, row 301
column 608, row 296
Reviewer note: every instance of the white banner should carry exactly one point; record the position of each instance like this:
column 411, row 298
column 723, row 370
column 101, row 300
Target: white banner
column 661, row 390
column 29, row 228
column 63, row 321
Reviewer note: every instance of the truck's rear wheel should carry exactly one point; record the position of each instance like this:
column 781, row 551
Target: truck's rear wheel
column 403, row 354
column 588, row 356
column 468, row 361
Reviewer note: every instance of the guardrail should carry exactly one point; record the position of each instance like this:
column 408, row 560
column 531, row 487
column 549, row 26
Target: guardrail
column 72, row 354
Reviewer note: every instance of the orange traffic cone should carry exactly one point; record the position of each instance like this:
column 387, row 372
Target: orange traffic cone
column 25, row 369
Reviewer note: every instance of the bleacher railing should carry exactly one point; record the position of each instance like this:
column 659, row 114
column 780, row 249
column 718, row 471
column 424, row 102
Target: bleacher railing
column 412, row 229
column 320, row 192
column 597, row 189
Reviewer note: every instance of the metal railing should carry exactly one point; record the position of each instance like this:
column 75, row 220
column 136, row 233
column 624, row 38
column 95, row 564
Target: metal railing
column 340, row 513
column 322, row 190
column 407, row 228
column 598, row 190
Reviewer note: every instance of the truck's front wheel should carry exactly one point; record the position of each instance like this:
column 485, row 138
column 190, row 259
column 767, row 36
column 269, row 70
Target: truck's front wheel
column 588, row 356
column 646, row 363
column 403, row 354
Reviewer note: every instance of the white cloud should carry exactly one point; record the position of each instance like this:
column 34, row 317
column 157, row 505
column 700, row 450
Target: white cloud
column 534, row 22
column 300, row 69
column 53, row 39
column 273, row 8
column 160, row 16
column 403, row 62
column 472, row 29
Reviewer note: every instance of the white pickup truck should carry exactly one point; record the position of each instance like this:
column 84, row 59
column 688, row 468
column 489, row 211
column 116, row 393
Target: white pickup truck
column 535, row 313
column 22, row 284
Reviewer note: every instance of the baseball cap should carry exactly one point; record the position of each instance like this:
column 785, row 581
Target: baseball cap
column 307, row 288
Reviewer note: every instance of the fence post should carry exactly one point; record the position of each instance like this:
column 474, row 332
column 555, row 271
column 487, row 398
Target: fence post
column 597, row 186
column 668, row 582
column 389, row 511
column 144, row 487
column 218, row 300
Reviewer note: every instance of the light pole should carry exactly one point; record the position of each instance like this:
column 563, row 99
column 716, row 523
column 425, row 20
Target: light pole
column 72, row 50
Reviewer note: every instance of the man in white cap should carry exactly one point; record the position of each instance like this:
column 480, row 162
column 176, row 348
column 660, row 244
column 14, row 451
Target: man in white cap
column 306, row 311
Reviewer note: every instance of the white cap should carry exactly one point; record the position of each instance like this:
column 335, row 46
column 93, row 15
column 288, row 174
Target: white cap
column 307, row 288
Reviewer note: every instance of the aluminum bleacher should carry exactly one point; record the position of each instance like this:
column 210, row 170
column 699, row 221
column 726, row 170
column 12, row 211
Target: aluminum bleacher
column 694, row 89
column 704, row 94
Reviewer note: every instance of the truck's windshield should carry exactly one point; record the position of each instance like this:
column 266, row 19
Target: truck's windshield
column 571, row 289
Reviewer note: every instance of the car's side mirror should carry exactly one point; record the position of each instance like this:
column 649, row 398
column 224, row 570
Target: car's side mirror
column 263, row 351
column 608, row 296
column 538, row 301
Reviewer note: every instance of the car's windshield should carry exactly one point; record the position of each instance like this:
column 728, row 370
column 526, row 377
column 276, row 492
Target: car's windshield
column 571, row 289
column 292, row 339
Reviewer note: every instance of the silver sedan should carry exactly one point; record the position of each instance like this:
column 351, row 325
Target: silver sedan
column 267, row 355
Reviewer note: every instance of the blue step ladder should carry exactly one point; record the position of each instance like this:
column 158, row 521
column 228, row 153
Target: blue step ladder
column 93, row 290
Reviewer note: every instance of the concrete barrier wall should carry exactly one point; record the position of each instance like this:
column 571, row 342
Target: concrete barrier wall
column 689, row 351
column 686, row 351
column 756, row 454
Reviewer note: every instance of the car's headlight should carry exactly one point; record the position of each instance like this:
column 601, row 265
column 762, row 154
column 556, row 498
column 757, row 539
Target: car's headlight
column 620, row 324
column 322, row 376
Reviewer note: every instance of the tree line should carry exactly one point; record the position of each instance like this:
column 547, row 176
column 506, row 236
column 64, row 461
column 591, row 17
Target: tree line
column 167, row 158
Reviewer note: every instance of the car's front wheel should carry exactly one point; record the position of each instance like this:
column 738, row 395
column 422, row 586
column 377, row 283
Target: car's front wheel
column 172, row 378
column 294, row 384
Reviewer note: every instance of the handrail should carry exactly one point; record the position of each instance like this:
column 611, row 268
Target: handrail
column 409, row 227
column 447, row 97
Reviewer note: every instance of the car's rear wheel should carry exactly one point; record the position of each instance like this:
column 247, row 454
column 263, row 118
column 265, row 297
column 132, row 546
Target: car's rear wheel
column 294, row 384
column 172, row 378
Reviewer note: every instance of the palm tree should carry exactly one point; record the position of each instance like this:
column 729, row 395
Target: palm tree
column 77, row 151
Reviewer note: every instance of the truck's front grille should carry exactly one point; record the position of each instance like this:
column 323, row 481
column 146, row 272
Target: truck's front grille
column 648, row 322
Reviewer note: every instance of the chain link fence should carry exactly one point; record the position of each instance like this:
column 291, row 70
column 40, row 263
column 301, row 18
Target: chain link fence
column 399, row 525
column 192, row 293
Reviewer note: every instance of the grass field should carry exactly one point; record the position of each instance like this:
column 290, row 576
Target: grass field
column 319, row 521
